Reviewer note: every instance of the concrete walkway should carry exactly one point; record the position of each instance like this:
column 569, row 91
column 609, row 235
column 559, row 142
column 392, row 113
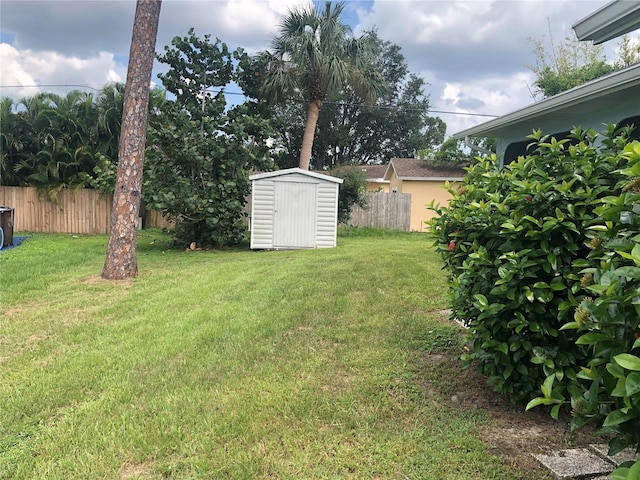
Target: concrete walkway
column 591, row 463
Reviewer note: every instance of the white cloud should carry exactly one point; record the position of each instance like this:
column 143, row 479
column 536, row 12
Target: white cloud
column 492, row 96
column 473, row 53
column 22, row 69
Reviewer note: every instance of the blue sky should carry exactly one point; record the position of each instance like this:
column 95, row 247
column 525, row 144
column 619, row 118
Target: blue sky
column 472, row 53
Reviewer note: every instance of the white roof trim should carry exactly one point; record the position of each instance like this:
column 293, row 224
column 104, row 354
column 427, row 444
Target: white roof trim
column 594, row 89
column 289, row 171
column 610, row 21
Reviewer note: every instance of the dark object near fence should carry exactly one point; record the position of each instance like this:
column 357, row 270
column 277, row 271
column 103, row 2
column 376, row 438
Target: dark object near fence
column 6, row 226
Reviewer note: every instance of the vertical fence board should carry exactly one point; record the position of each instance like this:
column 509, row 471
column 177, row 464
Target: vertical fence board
column 83, row 211
column 384, row 210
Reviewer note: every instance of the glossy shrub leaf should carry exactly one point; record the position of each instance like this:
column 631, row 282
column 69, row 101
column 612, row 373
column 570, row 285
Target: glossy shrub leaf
column 591, row 337
column 617, row 417
column 628, row 361
column 632, row 384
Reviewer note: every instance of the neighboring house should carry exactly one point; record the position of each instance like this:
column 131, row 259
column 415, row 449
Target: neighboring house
column 612, row 99
column 375, row 178
column 425, row 183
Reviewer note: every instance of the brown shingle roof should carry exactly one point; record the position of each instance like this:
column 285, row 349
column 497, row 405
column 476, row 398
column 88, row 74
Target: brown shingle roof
column 374, row 171
column 414, row 168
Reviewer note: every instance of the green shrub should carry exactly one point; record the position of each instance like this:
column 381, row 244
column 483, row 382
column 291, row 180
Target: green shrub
column 609, row 323
column 509, row 238
column 352, row 191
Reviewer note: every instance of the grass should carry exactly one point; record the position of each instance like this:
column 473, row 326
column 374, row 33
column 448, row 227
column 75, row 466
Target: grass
column 231, row 364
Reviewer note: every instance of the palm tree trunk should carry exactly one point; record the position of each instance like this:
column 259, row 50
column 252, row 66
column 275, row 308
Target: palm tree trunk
column 121, row 261
column 309, row 133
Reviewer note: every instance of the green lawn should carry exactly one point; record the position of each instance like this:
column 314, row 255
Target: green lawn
column 231, row 364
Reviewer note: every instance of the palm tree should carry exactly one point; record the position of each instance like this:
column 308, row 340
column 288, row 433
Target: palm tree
column 315, row 56
column 11, row 141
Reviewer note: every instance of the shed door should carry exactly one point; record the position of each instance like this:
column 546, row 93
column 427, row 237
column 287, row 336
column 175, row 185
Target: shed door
column 294, row 221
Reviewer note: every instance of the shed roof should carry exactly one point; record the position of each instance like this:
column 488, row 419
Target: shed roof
column 610, row 21
column 289, row 171
column 416, row 169
column 603, row 93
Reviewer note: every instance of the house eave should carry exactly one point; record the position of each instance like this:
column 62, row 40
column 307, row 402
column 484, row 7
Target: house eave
column 610, row 21
column 601, row 87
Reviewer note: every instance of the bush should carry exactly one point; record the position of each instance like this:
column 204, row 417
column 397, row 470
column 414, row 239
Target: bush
column 352, row 190
column 200, row 151
column 609, row 323
column 509, row 238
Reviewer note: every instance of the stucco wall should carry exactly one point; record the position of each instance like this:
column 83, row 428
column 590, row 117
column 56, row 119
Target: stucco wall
column 422, row 193
column 395, row 184
column 377, row 187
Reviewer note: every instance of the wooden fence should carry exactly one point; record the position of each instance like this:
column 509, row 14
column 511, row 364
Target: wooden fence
column 84, row 211
column 384, row 210
column 88, row 212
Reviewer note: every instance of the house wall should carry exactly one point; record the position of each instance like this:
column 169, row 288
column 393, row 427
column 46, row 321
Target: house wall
column 395, row 184
column 422, row 194
column 377, row 187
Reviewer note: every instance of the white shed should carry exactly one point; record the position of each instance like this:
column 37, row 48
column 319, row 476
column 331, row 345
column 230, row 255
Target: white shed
column 294, row 208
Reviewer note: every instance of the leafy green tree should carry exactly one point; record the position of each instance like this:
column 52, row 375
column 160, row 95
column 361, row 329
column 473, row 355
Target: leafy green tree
column 453, row 151
column 396, row 125
column 200, row 153
column 352, row 190
column 628, row 52
column 48, row 141
column 560, row 67
column 607, row 390
column 51, row 141
column 13, row 135
column 511, row 239
column 314, row 56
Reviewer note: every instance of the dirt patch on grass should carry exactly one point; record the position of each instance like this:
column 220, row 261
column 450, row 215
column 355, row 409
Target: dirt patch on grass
column 509, row 431
column 131, row 470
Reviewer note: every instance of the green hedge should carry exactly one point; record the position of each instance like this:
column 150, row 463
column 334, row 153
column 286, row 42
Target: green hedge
column 508, row 239
column 608, row 320
column 543, row 259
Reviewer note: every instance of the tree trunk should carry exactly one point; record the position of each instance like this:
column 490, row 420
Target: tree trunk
column 121, row 261
column 309, row 132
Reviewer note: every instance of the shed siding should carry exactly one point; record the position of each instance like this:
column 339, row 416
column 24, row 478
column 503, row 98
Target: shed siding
column 327, row 215
column 262, row 208
column 293, row 209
